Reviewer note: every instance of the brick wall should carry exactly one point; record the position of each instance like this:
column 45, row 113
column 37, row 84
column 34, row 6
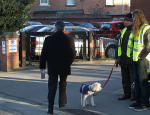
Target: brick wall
column 143, row 5
column 9, row 60
column 47, row 20
column 119, row 6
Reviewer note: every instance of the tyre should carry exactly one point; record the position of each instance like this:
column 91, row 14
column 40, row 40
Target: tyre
column 110, row 52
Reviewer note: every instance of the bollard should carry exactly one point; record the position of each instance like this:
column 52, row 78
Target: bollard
column 102, row 51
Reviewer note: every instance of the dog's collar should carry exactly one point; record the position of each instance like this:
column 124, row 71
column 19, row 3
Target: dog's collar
column 90, row 89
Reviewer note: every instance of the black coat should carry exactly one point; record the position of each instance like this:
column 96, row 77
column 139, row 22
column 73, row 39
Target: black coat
column 59, row 52
column 123, row 59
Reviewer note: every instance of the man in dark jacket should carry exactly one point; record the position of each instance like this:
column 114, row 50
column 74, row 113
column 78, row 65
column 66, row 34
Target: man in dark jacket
column 59, row 52
column 124, row 61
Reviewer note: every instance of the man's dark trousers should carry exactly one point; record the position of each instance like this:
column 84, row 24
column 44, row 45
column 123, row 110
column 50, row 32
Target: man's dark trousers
column 127, row 79
column 52, row 88
column 141, row 84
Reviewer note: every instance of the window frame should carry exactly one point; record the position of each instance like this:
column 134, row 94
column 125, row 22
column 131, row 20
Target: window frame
column 108, row 4
column 70, row 4
column 44, row 4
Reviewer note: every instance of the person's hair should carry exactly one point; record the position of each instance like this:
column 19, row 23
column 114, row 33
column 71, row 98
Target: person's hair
column 138, row 19
column 59, row 25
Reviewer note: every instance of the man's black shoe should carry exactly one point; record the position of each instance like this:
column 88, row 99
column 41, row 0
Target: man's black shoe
column 133, row 105
column 124, row 98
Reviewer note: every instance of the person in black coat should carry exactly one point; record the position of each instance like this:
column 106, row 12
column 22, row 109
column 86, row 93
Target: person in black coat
column 59, row 52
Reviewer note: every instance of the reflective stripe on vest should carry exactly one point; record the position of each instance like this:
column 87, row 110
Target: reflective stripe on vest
column 139, row 43
column 130, row 45
column 120, row 41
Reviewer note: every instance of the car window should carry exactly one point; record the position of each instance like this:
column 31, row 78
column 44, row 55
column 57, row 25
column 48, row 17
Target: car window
column 68, row 29
column 105, row 26
column 96, row 25
column 52, row 23
column 45, row 29
column 27, row 28
column 79, row 30
column 120, row 26
column 86, row 25
column 68, row 24
column 32, row 23
column 75, row 24
column 36, row 29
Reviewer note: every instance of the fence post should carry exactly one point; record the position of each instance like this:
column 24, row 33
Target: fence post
column 22, row 49
column 84, row 46
column 90, row 45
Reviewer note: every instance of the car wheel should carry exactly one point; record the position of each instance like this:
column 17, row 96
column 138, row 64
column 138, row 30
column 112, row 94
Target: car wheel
column 110, row 52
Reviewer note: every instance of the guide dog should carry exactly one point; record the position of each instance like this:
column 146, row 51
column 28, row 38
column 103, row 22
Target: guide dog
column 87, row 91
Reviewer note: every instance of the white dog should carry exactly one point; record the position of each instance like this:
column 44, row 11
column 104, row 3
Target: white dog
column 88, row 91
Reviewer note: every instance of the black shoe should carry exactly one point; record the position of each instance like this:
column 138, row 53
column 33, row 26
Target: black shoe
column 50, row 113
column 50, row 110
column 62, row 107
column 133, row 106
column 141, row 108
column 124, row 98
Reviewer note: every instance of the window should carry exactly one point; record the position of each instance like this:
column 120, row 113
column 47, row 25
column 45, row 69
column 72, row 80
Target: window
column 120, row 26
column 70, row 2
column 44, row 2
column 109, row 2
column 105, row 26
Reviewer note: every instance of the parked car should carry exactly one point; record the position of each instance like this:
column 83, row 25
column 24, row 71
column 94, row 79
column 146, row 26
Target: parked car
column 27, row 23
column 66, row 23
column 46, row 29
column 112, row 26
column 31, row 28
column 109, row 44
column 86, row 25
column 97, row 24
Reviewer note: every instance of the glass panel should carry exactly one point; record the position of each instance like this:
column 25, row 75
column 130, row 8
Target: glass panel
column 106, row 27
column 44, row 2
column 109, row 2
column 70, row 2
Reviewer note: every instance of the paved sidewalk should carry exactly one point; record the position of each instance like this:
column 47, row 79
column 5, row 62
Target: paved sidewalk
column 10, row 105
column 22, row 92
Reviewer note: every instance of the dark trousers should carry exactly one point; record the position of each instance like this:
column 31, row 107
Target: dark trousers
column 52, row 88
column 141, row 84
column 127, row 79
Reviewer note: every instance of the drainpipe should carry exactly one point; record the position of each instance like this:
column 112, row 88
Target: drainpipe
column 122, row 6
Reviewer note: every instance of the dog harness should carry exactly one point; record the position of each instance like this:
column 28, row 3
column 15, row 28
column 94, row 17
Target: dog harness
column 84, row 88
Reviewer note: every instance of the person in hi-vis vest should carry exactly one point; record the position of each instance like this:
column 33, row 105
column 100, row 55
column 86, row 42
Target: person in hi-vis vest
column 124, row 61
column 141, row 57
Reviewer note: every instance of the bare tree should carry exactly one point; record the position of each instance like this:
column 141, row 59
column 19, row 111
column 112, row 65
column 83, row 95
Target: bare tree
column 98, row 10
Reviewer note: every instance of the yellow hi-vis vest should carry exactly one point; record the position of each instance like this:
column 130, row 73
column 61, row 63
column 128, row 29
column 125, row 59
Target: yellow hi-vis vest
column 120, row 41
column 130, row 45
column 139, row 43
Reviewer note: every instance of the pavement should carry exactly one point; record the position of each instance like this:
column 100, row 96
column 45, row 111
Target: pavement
column 23, row 92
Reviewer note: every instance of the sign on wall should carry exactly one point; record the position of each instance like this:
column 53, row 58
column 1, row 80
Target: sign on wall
column 12, row 45
column 3, row 47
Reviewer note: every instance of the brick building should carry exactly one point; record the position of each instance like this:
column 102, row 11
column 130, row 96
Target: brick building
column 143, row 5
column 79, row 8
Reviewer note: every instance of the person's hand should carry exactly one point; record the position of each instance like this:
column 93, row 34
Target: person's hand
column 116, row 62
column 42, row 73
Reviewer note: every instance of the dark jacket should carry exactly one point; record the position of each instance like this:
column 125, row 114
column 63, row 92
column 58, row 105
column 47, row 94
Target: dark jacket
column 123, row 59
column 59, row 52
